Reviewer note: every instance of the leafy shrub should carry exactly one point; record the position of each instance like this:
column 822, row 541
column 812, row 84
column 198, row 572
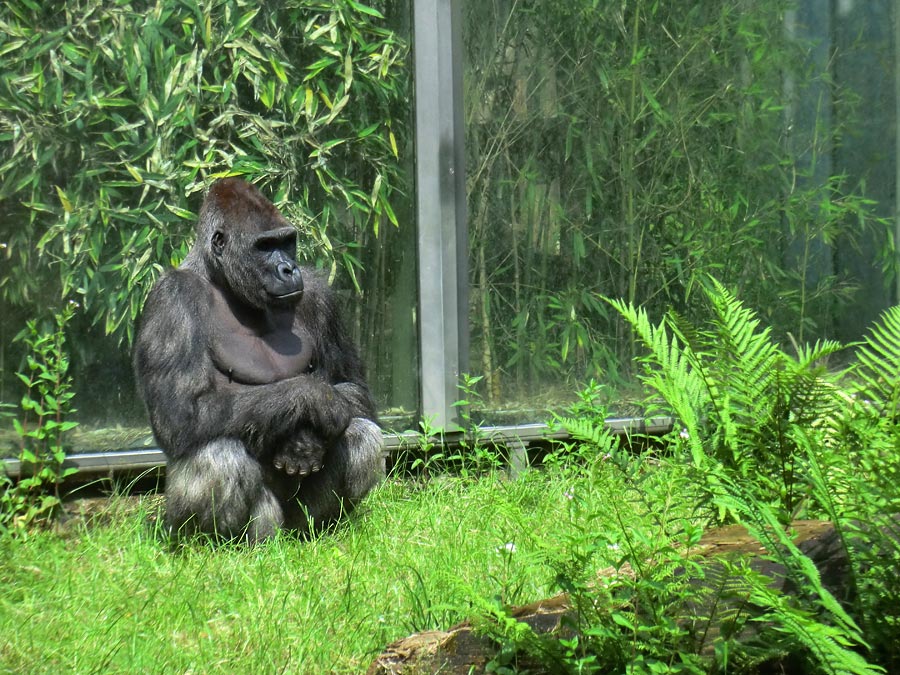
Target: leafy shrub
column 761, row 435
column 738, row 398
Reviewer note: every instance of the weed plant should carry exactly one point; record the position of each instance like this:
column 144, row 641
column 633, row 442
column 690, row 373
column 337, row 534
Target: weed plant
column 45, row 408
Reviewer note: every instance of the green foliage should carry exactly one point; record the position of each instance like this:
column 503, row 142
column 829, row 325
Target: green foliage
column 628, row 619
column 654, row 608
column 857, row 480
column 819, row 624
column 766, row 434
column 427, row 455
column 475, row 452
column 114, row 115
column 465, row 451
column 739, row 400
column 879, row 363
column 45, row 407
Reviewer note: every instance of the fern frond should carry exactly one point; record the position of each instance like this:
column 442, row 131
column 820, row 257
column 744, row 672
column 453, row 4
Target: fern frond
column 746, row 358
column 833, row 646
column 762, row 523
column 879, row 362
column 670, row 370
column 829, row 645
column 810, row 397
column 587, row 431
column 809, row 355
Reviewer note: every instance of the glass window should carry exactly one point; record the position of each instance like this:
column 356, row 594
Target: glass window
column 633, row 150
column 113, row 120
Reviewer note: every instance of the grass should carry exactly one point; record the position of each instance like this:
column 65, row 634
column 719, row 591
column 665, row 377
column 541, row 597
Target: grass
column 110, row 595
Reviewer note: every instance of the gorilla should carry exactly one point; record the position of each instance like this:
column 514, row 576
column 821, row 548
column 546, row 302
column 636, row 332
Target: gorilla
column 254, row 390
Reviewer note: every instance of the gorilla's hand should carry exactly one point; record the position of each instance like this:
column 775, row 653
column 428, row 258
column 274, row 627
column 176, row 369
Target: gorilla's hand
column 331, row 415
column 301, row 455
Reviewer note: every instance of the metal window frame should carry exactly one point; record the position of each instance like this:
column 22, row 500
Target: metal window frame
column 440, row 208
column 145, row 461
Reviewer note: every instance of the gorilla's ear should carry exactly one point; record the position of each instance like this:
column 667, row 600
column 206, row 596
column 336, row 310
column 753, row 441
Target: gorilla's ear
column 218, row 242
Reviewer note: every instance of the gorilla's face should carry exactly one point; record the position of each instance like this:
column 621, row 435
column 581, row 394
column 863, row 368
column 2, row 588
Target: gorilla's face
column 249, row 249
column 260, row 269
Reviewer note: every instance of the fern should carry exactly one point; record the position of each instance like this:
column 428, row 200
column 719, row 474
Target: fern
column 737, row 395
column 768, row 431
column 587, row 431
column 878, row 366
column 746, row 359
column 833, row 643
column 672, row 373
column 828, row 645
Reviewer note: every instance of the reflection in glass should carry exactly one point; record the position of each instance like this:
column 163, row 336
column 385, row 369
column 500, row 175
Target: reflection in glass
column 632, row 150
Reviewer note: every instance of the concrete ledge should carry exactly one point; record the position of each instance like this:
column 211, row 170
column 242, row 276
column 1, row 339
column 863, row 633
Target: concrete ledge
column 94, row 463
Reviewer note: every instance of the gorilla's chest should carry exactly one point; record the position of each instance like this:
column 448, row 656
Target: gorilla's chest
column 267, row 350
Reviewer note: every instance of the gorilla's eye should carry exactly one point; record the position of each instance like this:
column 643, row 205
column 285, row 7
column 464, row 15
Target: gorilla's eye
column 284, row 239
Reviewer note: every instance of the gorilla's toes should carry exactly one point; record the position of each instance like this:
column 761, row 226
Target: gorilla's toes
column 298, row 461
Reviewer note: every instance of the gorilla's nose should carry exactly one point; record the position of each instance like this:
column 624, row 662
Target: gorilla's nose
column 288, row 271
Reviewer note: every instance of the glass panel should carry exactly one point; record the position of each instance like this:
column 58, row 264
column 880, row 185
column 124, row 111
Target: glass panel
column 633, row 149
column 112, row 121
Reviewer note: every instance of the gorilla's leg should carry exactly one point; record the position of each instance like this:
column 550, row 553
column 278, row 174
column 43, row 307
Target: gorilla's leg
column 352, row 467
column 219, row 490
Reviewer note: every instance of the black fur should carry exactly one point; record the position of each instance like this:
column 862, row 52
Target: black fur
column 253, row 388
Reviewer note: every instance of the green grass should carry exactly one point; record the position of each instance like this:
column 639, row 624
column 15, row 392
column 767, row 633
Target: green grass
column 109, row 595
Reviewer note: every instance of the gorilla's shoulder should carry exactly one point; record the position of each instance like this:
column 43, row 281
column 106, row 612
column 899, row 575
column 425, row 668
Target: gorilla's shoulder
column 181, row 291
column 182, row 282
column 315, row 280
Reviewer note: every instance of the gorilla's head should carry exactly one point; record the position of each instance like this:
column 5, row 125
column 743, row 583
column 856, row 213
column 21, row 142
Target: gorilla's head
column 248, row 246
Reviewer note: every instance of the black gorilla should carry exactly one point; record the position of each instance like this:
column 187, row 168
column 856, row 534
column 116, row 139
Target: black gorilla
column 254, row 391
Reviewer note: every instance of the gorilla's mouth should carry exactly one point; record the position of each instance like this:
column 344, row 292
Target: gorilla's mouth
column 287, row 296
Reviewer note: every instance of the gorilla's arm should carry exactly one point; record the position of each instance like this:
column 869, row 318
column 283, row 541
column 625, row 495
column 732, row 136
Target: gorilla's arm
column 336, row 354
column 190, row 404
column 338, row 362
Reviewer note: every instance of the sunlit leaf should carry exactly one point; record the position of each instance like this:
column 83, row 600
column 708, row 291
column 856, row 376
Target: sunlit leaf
column 365, row 9
column 64, row 200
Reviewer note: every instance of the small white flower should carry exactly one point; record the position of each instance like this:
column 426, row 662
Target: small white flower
column 607, row 456
column 508, row 547
column 569, row 494
column 684, row 434
column 613, row 547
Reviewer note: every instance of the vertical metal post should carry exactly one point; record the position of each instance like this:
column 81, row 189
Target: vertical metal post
column 896, row 11
column 440, row 207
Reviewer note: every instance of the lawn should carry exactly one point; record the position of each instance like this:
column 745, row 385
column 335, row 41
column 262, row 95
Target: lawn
column 108, row 594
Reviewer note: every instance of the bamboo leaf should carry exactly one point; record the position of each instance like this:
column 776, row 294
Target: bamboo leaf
column 365, row 9
column 64, row 200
